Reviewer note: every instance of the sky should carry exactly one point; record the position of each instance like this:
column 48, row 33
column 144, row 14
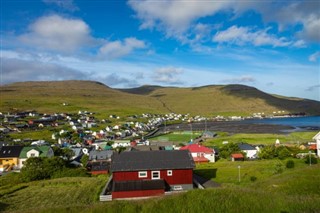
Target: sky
column 271, row 45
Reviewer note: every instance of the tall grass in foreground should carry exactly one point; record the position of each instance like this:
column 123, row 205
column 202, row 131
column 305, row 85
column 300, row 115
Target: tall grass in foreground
column 296, row 190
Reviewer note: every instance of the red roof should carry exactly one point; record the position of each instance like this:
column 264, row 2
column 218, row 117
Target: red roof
column 196, row 148
column 237, row 155
column 313, row 147
column 200, row 159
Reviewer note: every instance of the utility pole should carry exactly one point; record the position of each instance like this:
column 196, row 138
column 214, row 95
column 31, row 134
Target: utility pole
column 239, row 173
column 309, row 158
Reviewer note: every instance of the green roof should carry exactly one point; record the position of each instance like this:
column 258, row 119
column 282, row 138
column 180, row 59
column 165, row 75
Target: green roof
column 107, row 147
column 42, row 149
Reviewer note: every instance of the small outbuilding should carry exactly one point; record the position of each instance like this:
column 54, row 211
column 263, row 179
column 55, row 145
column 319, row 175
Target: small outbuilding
column 237, row 157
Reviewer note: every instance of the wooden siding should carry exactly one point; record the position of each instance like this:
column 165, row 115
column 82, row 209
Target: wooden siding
column 142, row 193
column 179, row 176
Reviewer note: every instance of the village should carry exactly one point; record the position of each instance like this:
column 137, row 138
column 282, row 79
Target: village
column 123, row 148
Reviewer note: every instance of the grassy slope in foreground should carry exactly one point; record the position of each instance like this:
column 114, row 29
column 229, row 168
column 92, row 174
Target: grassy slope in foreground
column 295, row 190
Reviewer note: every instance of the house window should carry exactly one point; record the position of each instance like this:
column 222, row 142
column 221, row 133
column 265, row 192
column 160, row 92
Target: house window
column 169, row 173
column 32, row 155
column 143, row 174
column 155, row 174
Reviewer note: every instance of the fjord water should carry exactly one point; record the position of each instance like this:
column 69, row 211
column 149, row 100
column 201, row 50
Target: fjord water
column 298, row 122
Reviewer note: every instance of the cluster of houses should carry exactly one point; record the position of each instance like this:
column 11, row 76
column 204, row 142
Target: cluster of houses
column 138, row 168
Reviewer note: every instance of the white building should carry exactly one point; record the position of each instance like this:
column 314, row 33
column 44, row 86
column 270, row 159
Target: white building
column 317, row 139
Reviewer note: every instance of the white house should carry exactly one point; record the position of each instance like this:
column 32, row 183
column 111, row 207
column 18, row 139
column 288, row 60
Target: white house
column 34, row 151
column 250, row 151
column 317, row 139
column 200, row 154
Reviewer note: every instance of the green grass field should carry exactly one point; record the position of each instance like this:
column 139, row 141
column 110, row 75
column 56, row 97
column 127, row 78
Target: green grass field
column 180, row 137
column 294, row 190
column 226, row 171
column 292, row 138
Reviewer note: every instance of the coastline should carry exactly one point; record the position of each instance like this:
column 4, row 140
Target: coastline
column 231, row 127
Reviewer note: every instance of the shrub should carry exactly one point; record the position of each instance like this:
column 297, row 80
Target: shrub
column 313, row 159
column 278, row 168
column 253, row 178
column 283, row 152
column 290, row 164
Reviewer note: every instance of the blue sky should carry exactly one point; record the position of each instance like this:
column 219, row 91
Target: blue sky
column 271, row 45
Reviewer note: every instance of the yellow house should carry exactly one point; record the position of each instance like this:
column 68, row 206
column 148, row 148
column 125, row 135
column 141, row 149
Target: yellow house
column 9, row 157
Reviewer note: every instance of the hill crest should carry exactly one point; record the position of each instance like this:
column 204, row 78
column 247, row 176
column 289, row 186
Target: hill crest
column 205, row 100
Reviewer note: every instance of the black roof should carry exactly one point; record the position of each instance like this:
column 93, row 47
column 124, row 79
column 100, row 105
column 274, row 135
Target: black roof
column 137, row 185
column 152, row 160
column 98, row 166
column 10, row 151
column 245, row 146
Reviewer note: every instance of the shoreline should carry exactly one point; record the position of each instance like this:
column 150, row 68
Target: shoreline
column 237, row 127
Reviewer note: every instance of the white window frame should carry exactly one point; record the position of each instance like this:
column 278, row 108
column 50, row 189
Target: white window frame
column 155, row 172
column 143, row 174
column 169, row 172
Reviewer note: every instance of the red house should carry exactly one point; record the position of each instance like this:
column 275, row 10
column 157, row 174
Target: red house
column 151, row 173
column 200, row 154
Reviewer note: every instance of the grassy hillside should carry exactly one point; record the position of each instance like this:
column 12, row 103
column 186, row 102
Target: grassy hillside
column 227, row 100
column 294, row 190
column 79, row 95
column 94, row 96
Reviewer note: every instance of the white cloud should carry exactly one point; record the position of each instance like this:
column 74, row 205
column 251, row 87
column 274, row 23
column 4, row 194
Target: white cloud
column 240, row 80
column 15, row 70
column 299, row 44
column 177, row 18
column 58, row 33
column 313, row 88
column 65, row 4
column 114, row 79
column 286, row 15
column 116, row 49
column 311, row 29
column 244, row 35
column 168, row 75
column 314, row 57
column 173, row 16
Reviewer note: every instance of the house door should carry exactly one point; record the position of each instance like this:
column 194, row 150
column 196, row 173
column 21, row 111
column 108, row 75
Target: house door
column 155, row 175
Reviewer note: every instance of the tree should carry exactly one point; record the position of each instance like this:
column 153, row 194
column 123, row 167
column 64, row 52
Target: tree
column 282, row 152
column 268, row 152
column 54, row 164
column 39, row 168
column 84, row 160
column 228, row 149
column 67, row 153
column 63, row 152
column 34, row 169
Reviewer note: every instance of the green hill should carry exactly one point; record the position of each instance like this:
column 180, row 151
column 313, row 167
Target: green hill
column 94, row 96
column 230, row 99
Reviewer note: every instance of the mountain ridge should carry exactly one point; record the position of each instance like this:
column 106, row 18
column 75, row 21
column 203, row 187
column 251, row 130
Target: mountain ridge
column 204, row 100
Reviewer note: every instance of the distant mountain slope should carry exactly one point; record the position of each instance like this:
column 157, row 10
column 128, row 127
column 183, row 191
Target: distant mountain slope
column 77, row 95
column 230, row 99
column 99, row 98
